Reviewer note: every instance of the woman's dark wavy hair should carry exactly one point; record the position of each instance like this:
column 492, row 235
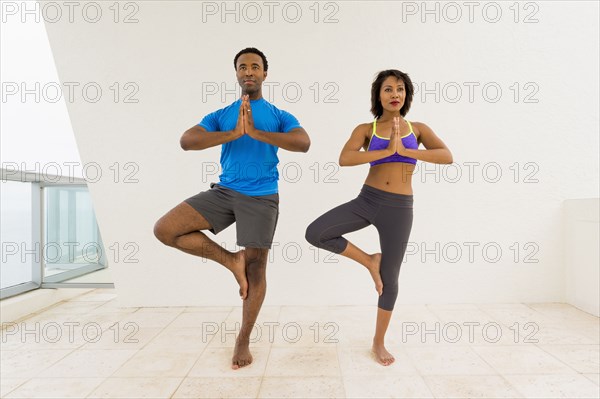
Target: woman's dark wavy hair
column 376, row 107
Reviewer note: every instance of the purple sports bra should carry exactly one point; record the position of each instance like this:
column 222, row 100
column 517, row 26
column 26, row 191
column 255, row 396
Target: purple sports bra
column 381, row 143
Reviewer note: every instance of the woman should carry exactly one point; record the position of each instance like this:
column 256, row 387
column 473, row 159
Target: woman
column 390, row 145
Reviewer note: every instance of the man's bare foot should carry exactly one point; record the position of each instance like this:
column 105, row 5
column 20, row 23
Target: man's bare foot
column 373, row 268
column 382, row 355
column 239, row 271
column 241, row 356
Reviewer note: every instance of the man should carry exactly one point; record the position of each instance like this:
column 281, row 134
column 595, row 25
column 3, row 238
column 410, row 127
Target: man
column 250, row 131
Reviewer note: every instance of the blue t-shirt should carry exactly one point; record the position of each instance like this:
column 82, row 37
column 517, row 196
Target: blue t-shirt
column 249, row 165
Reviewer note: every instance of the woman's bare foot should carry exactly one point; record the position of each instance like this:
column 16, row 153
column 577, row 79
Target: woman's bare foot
column 241, row 356
column 373, row 268
column 238, row 269
column 382, row 355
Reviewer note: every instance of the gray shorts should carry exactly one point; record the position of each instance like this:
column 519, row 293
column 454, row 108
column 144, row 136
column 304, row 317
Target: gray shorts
column 255, row 217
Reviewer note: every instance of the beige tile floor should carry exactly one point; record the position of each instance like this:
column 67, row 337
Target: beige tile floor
column 90, row 348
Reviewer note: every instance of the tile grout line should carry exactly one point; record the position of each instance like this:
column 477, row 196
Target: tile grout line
column 498, row 373
column 337, row 353
column 58, row 360
column 107, row 377
column 412, row 363
column 199, row 356
column 149, row 342
column 262, row 378
column 560, row 360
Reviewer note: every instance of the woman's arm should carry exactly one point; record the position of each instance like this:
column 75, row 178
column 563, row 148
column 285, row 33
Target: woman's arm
column 436, row 151
column 351, row 153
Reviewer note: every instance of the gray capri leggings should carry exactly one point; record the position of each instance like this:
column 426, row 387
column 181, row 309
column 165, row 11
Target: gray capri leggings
column 391, row 214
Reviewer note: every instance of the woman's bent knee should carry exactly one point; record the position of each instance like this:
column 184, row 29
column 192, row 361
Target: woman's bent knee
column 313, row 235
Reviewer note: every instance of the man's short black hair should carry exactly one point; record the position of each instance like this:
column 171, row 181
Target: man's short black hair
column 253, row 51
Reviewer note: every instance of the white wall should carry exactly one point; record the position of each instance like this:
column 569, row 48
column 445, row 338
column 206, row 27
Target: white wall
column 36, row 131
column 582, row 254
column 171, row 55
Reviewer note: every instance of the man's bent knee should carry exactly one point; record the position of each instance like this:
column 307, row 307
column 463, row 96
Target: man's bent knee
column 162, row 234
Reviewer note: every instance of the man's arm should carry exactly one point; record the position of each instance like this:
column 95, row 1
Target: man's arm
column 197, row 138
column 295, row 140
